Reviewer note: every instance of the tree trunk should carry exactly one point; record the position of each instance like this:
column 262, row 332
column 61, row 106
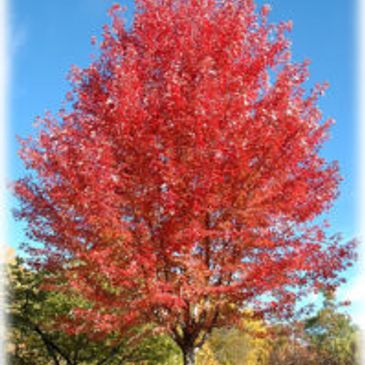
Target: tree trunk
column 189, row 356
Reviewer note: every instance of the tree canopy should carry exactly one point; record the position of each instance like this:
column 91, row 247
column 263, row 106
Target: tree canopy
column 181, row 182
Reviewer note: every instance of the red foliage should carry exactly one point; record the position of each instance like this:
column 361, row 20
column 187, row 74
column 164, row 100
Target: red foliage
column 185, row 176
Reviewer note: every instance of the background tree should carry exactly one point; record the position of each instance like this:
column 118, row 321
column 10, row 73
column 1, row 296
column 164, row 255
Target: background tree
column 184, row 176
column 290, row 345
column 333, row 335
column 35, row 336
column 247, row 343
column 327, row 337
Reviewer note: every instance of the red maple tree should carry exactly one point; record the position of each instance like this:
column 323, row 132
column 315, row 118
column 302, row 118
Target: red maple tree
column 180, row 184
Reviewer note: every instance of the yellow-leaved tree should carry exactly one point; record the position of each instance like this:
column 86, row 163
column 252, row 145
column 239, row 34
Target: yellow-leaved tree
column 247, row 343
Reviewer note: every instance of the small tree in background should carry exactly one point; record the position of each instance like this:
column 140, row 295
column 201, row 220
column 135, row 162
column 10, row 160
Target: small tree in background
column 247, row 343
column 327, row 337
column 35, row 337
column 181, row 183
column 333, row 336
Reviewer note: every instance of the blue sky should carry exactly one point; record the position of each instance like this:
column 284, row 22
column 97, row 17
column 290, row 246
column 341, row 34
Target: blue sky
column 47, row 37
